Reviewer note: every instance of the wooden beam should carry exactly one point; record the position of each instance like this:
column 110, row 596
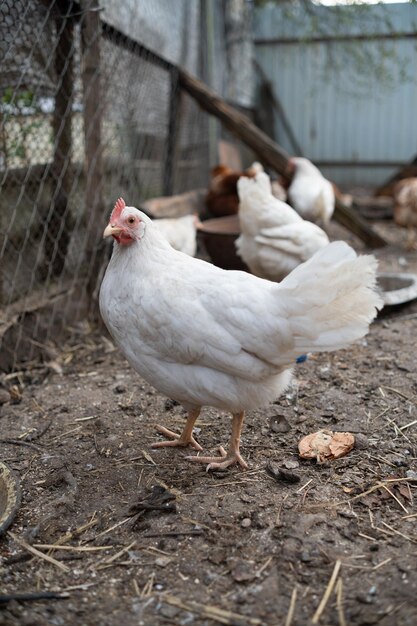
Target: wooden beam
column 235, row 121
column 268, row 151
column 351, row 220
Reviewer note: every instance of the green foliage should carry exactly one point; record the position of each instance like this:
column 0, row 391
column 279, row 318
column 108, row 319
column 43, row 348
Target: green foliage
column 19, row 107
column 20, row 100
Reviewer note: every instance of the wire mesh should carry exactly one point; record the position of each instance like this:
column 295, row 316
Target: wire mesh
column 85, row 118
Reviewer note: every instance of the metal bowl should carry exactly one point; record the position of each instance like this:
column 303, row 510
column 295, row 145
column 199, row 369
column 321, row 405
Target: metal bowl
column 218, row 237
column 397, row 288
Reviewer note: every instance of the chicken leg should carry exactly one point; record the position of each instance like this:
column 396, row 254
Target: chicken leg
column 230, row 457
column 185, row 439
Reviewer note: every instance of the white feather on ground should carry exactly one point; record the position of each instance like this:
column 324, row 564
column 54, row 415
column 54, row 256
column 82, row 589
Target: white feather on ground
column 311, row 195
column 274, row 238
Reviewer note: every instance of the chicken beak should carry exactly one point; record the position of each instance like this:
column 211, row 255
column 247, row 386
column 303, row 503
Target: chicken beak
column 111, row 230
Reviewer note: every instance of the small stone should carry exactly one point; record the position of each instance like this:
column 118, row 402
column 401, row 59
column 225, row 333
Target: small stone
column 364, row 598
column 290, row 464
column 279, row 473
column 169, row 611
column 242, row 570
column 324, row 373
column 279, row 424
column 169, row 404
column 163, row 561
column 217, row 556
column 246, row 522
column 305, row 556
column 411, row 474
column 361, row 441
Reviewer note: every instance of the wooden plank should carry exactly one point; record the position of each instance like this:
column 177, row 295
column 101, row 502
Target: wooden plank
column 236, row 122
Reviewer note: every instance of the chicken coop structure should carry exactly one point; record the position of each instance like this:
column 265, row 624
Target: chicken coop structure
column 97, row 101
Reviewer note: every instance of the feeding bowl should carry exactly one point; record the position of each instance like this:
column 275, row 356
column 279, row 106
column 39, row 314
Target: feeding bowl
column 9, row 497
column 218, row 236
column 397, row 287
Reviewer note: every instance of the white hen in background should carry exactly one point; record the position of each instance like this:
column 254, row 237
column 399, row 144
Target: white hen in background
column 311, row 195
column 274, row 238
column 181, row 232
column 207, row 336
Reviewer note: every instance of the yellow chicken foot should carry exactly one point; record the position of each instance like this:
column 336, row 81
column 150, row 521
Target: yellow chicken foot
column 227, row 458
column 185, row 439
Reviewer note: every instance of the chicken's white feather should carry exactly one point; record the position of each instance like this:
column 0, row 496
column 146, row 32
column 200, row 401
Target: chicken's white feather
column 180, row 232
column 310, row 193
column 274, row 238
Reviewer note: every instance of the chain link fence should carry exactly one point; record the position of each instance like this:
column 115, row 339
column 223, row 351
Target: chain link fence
column 87, row 115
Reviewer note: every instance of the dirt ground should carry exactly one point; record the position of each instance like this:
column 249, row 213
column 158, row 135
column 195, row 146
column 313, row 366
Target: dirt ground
column 142, row 536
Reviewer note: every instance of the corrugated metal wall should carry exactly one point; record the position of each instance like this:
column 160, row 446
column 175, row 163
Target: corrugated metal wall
column 339, row 115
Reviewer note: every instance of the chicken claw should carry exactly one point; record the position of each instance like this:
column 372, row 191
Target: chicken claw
column 183, row 440
column 220, row 462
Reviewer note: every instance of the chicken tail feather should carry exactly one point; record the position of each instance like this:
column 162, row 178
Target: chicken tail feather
column 332, row 299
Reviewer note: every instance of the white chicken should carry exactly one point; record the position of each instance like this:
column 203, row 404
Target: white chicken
column 311, row 195
column 274, row 238
column 207, row 336
column 181, row 232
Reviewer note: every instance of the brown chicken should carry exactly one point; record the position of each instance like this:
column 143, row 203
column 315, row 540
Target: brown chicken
column 222, row 198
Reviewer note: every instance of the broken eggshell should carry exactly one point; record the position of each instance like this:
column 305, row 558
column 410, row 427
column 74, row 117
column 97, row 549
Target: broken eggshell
column 326, row 445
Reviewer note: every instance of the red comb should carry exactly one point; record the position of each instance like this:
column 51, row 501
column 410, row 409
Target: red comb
column 118, row 208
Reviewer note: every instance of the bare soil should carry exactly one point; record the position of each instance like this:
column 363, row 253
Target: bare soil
column 152, row 539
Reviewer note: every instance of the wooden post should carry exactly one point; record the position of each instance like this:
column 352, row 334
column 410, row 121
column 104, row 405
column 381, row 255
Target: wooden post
column 59, row 220
column 172, row 146
column 93, row 109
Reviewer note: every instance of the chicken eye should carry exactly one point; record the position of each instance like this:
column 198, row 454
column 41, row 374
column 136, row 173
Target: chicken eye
column 131, row 220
